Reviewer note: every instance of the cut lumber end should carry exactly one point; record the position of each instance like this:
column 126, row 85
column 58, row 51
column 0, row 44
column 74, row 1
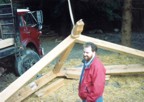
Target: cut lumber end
column 77, row 29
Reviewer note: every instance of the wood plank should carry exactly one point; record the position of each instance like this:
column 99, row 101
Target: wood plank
column 6, row 42
column 110, row 46
column 115, row 69
column 50, row 88
column 31, row 88
column 63, row 57
column 76, row 74
column 17, row 84
column 125, row 69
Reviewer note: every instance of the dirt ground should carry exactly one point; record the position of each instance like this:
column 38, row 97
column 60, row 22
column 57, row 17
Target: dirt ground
column 120, row 88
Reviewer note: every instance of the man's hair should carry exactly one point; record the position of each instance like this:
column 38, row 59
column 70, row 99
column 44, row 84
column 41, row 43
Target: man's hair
column 93, row 46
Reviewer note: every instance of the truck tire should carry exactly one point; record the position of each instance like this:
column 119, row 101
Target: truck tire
column 26, row 61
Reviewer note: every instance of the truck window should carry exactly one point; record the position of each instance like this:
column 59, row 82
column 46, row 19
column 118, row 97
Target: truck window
column 21, row 22
column 29, row 20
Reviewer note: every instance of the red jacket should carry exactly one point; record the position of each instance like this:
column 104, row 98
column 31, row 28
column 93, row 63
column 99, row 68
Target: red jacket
column 92, row 85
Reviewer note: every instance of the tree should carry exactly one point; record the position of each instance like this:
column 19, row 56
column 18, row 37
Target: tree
column 127, row 23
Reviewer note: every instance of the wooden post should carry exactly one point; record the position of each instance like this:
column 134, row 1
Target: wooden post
column 77, row 29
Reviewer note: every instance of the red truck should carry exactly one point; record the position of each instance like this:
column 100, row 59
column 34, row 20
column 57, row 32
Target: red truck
column 20, row 31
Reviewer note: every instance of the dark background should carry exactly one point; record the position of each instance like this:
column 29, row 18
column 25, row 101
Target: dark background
column 103, row 15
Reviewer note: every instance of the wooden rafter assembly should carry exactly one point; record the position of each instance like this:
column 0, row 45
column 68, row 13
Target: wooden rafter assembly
column 18, row 91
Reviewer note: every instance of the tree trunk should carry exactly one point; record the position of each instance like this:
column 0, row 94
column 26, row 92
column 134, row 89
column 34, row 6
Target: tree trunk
column 127, row 23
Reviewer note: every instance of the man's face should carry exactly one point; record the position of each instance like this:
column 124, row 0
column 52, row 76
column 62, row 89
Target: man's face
column 87, row 53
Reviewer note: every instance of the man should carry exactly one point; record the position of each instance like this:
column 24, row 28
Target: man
column 92, row 80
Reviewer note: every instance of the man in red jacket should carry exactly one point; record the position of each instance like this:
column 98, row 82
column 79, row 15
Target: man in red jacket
column 92, row 79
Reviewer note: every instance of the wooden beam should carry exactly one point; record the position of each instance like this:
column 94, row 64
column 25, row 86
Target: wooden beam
column 17, row 84
column 125, row 69
column 50, row 88
column 111, row 69
column 31, row 88
column 110, row 46
column 76, row 74
column 63, row 57
column 6, row 42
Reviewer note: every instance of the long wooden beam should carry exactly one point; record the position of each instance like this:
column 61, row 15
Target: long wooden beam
column 31, row 88
column 6, row 42
column 76, row 74
column 125, row 69
column 47, row 59
column 111, row 69
column 110, row 46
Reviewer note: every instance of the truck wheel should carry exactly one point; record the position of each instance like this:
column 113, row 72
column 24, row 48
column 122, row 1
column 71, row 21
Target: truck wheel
column 26, row 61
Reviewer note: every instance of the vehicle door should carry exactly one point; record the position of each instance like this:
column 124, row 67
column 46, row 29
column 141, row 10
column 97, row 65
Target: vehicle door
column 28, row 29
